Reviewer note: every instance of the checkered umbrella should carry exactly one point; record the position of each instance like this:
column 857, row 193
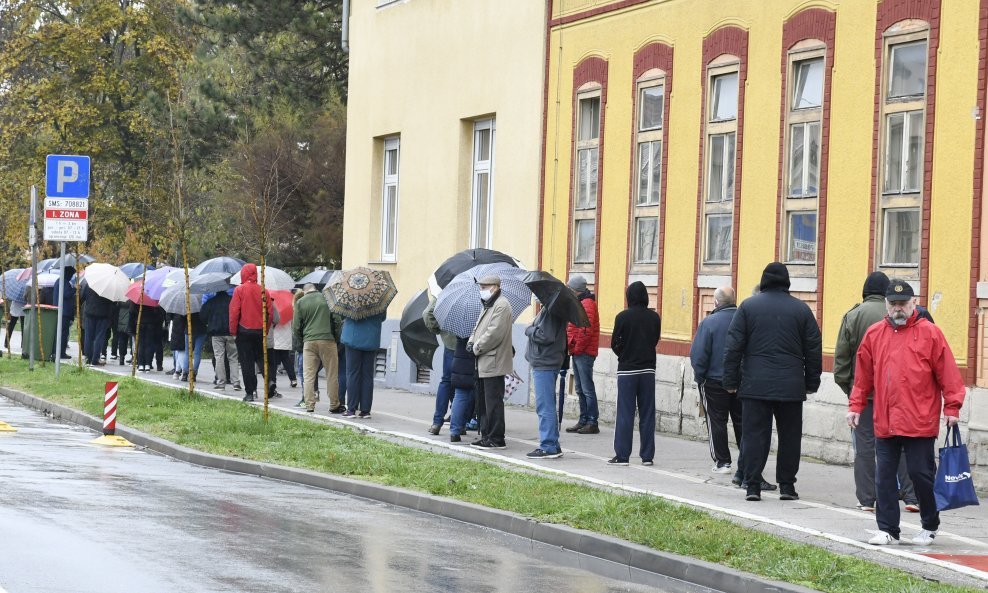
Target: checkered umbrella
column 13, row 288
column 360, row 292
column 458, row 307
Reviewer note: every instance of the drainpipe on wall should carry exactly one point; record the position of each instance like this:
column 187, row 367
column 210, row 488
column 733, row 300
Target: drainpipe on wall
column 345, row 28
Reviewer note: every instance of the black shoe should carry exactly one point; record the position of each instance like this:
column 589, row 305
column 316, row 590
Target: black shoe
column 589, row 429
column 275, row 395
column 766, row 486
column 478, row 442
column 184, row 379
column 617, row 461
column 576, row 427
column 338, row 409
column 434, row 429
column 312, row 411
column 66, row 357
column 788, row 493
column 753, row 495
column 454, row 438
column 482, row 444
column 542, row 454
column 250, row 398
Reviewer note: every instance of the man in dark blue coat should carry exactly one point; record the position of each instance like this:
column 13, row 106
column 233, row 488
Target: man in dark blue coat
column 772, row 359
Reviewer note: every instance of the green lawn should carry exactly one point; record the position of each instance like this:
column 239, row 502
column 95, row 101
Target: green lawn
column 231, row 428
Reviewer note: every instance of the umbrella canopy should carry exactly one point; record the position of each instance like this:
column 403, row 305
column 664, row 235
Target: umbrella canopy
column 176, row 277
column 71, row 261
column 360, row 292
column 43, row 266
column 230, row 265
column 557, row 297
column 107, row 281
column 154, row 282
column 469, row 258
column 134, row 295
column 284, row 302
column 274, row 279
column 419, row 343
column 173, row 301
column 134, row 269
column 48, row 279
column 210, row 282
column 13, row 288
column 319, row 278
column 458, row 306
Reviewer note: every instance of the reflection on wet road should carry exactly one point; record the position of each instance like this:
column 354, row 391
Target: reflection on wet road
column 78, row 518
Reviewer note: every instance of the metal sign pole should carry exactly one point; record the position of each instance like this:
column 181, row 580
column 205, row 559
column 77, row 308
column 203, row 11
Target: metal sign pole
column 33, row 240
column 57, row 350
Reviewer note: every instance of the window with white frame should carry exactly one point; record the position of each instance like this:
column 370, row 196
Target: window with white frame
column 648, row 192
column 586, row 178
column 721, row 135
column 804, row 122
column 389, row 201
column 482, row 204
column 903, row 121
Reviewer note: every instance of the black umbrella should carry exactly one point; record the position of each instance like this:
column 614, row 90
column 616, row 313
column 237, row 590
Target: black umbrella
column 419, row 343
column 557, row 297
column 318, row 278
column 465, row 260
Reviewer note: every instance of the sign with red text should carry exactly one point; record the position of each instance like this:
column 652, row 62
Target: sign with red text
column 66, row 219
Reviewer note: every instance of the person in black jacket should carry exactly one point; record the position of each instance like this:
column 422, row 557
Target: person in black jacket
column 772, row 359
column 463, row 375
column 636, row 333
column 97, row 312
column 216, row 313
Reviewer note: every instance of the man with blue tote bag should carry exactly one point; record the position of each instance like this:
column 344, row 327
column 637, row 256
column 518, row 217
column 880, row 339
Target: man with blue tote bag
column 906, row 362
column 954, row 487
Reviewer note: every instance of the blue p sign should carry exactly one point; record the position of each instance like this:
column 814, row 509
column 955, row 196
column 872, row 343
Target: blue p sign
column 67, row 176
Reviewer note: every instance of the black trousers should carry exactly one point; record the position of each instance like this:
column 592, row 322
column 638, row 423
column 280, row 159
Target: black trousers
column 756, row 439
column 719, row 405
column 286, row 360
column 120, row 344
column 250, row 350
column 149, row 341
column 490, row 393
column 922, row 469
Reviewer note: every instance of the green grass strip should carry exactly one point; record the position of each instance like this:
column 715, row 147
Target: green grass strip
column 234, row 429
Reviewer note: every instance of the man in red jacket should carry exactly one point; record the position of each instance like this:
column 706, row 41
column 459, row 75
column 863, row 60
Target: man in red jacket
column 583, row 343
column 246, row 322
column 906, row 362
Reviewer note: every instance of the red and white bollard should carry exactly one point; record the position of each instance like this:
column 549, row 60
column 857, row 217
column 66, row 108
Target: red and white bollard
column 110, row 409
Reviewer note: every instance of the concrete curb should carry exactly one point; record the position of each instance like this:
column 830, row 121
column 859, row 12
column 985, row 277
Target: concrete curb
column 601, row 554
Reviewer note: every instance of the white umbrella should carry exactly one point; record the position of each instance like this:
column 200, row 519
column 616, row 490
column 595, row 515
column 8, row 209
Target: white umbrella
column 107, row 281
column 274, row 279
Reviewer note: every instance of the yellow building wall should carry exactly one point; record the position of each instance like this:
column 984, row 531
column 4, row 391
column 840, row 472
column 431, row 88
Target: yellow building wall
column 425, row 70
column 616, row 35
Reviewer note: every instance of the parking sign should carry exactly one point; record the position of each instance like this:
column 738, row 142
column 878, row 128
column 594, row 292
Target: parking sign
column 67, row 176
column 66, row 198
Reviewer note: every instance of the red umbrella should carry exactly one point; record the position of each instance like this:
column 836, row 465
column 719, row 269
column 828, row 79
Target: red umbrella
column 134, row 295
column 284, row 301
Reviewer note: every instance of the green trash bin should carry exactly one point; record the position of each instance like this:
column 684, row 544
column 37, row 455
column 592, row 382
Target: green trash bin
column 49, row 326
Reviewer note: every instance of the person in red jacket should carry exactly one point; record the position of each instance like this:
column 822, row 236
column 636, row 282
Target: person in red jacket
column 906, row 362
column 246, row 322
column 582, row 345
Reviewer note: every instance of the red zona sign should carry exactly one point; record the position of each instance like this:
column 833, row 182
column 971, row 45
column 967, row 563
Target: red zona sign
column 66, row 214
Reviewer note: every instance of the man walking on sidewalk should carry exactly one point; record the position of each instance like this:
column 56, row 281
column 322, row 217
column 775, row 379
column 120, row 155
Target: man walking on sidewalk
column 852, row 329
column 906, row 362
column 772, row 359
column 490, row 342
column 318, row 329
column 583, row 343
column 545, row 353
column 707, row 359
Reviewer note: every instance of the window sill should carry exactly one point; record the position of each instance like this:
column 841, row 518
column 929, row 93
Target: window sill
column 382, row 262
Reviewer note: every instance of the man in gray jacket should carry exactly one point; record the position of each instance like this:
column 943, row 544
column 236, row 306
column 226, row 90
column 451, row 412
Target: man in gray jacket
column 545, row 353
column 490, row 342
column 852, row 329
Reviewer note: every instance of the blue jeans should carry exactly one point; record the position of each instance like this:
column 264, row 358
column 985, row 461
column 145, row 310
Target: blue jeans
column 635, row 391
column 462, row 411
column 586, row 392
column 545, row 407
column 183, row 355
column 359, row 379
column 445, row 392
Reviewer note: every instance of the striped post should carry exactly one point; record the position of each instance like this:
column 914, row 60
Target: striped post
column 110, row 409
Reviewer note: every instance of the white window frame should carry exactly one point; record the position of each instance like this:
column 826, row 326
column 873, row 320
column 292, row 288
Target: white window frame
column 728, row 129
column 900, row 198
column 389, row 216
column 587, row 210
column 650, row 138
column 480, row 167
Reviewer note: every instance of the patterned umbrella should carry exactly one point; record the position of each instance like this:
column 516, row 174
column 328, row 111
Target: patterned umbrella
column 210, row 282
column 173, row 301
column 458, row 306
column 274, row 279
column 13, row 289
column 360, row 292
column 155, row 280
column 107, row 281
column 230, row 265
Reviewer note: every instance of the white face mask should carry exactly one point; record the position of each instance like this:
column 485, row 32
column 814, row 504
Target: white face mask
column 486, row 294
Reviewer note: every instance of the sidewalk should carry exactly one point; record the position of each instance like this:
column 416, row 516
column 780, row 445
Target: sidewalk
column 825, row 515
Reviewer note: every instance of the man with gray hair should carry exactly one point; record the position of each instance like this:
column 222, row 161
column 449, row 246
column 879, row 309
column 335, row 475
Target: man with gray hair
column 490, row 342
column 318, row 329
column 707, row 358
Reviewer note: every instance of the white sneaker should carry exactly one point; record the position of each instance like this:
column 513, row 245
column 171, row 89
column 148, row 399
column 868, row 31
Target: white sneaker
column 924, row 537
column 721, row 469
column 883, row 539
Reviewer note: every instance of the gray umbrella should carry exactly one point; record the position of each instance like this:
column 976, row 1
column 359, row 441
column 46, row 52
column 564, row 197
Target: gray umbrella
column 173, row 301
column 210, row 282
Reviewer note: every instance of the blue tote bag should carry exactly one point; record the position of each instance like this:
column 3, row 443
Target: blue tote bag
column 954, row 487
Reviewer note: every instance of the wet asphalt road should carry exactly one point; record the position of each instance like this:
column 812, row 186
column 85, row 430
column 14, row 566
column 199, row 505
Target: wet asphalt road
column 79, row 518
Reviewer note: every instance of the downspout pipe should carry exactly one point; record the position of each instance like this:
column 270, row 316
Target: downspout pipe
column 345, row 28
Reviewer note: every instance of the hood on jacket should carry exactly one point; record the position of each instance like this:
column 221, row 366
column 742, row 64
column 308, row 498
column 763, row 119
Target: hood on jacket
column 637, row 295
column 248, row 274
column 875, row 283
column 775, row 277
column 586, row 294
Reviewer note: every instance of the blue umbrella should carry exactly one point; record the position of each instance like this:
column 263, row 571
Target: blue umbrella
column 229, row 265
column 13, row 289
column 135, row 269
column 458, row 306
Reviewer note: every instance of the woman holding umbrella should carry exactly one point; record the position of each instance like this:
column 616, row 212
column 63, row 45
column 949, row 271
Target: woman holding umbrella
column 362, row 338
